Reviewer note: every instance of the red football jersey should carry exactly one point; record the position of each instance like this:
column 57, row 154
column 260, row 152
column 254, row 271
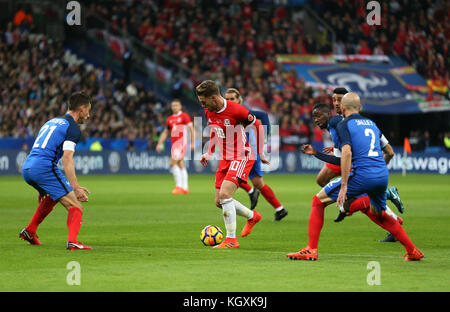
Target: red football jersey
column 228, row 130
column 176, row 124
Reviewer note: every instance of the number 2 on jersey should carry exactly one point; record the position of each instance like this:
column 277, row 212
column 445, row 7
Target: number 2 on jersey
column 49, row 134
column 369, row 132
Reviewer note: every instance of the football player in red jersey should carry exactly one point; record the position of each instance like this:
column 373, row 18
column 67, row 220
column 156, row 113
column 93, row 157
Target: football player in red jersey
column 228, row 120
column 177, row 125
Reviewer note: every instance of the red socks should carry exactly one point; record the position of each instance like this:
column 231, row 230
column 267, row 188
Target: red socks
column 315, row 222
column 245, row 186
column 74, row 223
column 360, row 204
column 44, row 208
column 268, row 194
column 392, row 226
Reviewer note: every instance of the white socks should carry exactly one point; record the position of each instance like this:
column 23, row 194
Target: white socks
column 184, row 178
column 176, row 171
column 229, row 216
column 180, row 176
column 241, row 210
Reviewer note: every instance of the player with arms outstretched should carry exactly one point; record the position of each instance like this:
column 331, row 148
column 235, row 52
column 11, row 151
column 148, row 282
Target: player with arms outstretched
column 228, row 121
column 360, row 145
column 177, row 125
column 57, row 140
column 256, row 174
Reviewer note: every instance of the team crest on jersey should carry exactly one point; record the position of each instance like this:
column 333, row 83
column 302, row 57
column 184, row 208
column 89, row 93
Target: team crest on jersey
column 209, row 120
column 226, row 122
column 179, row 119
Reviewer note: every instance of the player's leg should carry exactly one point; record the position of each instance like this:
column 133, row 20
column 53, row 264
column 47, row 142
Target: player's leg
column 327, row 173
column 184, row 176
column 387, row 222
column 226, row 201
column 315, row 224
column 269, row 195
column 74, row 220
column 176, row 172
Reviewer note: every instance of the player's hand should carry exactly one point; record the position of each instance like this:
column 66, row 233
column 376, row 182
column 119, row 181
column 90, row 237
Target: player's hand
column 342, row 197
column 81, row 193
column 309, row 149
column 328, row 150
column 158, row 148
column 262, row 156
column 204, row 159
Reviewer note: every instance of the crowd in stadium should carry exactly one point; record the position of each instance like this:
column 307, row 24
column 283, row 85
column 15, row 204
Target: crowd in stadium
column 236, row 45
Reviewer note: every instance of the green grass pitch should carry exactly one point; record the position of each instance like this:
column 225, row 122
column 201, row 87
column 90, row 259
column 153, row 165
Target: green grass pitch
column 146, row 239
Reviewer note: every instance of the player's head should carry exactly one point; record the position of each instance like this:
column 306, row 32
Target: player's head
column 80, row 106
column 338, row 93
column 176, row 106
column 233, row 94
column 321, row 115
column 350, row 104
column 208, row 94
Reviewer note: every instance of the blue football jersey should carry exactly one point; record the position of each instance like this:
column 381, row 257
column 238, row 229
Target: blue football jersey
column 263, row 117
column 48, row 146
column 363, row 136
column 332, row 124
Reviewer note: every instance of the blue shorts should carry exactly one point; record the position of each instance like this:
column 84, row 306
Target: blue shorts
column 52, row 182
column 256, row 169
column 359, row 186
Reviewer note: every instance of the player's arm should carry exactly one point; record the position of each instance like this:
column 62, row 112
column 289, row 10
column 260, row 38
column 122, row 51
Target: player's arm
column 388, row 151
column 211, row 148
column 331, row 159
column 162, row 139
column 69, row 170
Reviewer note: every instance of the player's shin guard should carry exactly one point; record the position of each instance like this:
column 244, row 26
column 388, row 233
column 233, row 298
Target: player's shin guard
column 44, row 208
column 315, row 223
column 229, row 216
column 359, row 204
column 74, row 223
column 269, row 195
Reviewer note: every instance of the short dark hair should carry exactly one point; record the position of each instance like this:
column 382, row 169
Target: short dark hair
column 78, row 99
column 340, row 91
column 322, row 107
column 207, row 88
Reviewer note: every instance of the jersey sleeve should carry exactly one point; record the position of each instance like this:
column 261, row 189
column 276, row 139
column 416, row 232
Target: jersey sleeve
column 263, row 117
column 73, row 136
column 187, row 119
column 334, row 121
column 343, row 133
column 244, row 116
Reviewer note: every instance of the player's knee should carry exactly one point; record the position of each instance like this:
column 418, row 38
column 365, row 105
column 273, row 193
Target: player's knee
column 259, row 184
column 224, row 194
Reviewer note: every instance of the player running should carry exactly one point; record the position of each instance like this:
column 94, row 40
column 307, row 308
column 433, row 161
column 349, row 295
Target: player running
column 360, row 145
column 57, row 140
column 256, row 174
column 177, row 125
column 228, row 120
column 323, row 119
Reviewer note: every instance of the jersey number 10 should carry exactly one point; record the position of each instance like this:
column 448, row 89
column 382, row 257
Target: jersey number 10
column 49, row 134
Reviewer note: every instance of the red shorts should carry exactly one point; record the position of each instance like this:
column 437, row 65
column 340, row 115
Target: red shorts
column 335, row 168
column 178, row 150
column 233, row 170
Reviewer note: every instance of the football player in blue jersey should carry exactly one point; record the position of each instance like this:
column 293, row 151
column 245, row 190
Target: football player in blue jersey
column 323, row 119
column 56, row 140
column 256, row 174
column 361, row 152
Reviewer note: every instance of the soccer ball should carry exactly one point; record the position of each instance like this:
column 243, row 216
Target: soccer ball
column 211, row 235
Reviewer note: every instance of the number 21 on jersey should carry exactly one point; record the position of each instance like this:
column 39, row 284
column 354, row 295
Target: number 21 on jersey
column 43, row 131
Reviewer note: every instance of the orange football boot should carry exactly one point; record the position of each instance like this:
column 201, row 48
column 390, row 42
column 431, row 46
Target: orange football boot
column 416, row 255
column 251, row 223
column 304, row 254
column 177, row 190
column 228, row 243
